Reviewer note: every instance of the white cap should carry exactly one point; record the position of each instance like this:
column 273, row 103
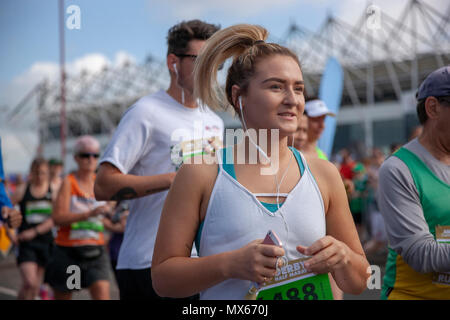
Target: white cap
column 317, row 108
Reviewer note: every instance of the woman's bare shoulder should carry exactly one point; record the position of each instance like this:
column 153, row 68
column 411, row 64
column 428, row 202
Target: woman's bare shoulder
column 199, row 171
column 323, row 168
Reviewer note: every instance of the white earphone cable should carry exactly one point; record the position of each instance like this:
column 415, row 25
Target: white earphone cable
column 276, row 174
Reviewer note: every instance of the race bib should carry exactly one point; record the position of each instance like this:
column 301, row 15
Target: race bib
column 294, row 282
column 38, row 211
column 88, row 229
column 442, row 236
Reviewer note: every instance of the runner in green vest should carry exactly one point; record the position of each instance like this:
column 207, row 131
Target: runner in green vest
column 414, row 201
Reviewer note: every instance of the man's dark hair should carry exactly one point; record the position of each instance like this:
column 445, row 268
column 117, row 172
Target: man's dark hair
column 180, row 35
column 422, row 113
column 37, row 162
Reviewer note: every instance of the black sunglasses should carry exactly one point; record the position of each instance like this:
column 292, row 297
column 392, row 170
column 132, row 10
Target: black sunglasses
column 183, row 55
column 193, row 56
column 87, row 155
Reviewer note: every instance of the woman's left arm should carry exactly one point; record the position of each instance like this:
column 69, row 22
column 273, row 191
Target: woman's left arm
column 340, row 251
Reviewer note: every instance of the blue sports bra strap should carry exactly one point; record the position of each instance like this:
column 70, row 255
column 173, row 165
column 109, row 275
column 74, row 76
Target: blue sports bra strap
column 298, row 157
column 228, row 166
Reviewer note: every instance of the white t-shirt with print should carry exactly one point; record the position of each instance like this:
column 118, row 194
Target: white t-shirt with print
column 150, row 140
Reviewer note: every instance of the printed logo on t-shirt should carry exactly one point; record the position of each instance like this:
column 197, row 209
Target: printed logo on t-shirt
column 184, row 150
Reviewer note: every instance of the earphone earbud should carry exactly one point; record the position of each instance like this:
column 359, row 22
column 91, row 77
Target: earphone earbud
column 175, row 68
column 240, row 105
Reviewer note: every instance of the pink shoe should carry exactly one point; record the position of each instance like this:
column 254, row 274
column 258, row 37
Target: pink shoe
column 45, row 294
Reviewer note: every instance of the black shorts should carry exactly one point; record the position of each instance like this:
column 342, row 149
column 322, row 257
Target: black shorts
column 137, row 285
column 37, row 251
column 92, row 261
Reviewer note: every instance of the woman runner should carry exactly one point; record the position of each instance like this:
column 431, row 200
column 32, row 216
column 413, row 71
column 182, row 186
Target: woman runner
column 80, row 242
column 35, row 236
column 228, row 208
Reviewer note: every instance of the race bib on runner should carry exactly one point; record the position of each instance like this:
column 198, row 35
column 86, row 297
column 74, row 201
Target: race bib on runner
column 442, row 236
column 88, row 229
column 38, row 211
column 294, row 282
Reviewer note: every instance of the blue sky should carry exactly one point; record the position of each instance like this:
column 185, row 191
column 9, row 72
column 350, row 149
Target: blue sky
column 29, row 34
column 29, row 27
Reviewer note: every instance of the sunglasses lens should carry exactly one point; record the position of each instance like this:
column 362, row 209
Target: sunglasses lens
column 87, row 155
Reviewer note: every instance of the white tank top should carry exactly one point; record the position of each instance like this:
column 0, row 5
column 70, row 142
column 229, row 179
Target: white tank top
column 236, row 217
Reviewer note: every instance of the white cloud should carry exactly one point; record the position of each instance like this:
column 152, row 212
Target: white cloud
column 123, row 57
column 19, row 138
column 91, row 63
column 18, row 150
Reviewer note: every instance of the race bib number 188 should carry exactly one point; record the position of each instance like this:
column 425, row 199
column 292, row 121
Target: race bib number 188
column 293, row 282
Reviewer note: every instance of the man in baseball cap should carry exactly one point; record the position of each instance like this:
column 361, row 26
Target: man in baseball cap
column 316, row 110
column 414, row 193
column 437, row 87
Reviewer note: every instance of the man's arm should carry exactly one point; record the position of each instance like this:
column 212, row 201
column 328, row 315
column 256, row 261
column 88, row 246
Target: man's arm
column 407, row 230
column 112, row 184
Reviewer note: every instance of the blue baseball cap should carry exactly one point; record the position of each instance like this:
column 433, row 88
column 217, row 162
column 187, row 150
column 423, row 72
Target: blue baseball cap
column 437, row 84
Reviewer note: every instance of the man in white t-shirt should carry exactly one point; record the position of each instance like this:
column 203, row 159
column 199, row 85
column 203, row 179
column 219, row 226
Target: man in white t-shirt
column 152, row 140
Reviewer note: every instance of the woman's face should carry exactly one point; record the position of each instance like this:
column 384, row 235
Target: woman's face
column 316, row 125
column 87, row 158
column 274, row 98
column 40, row 174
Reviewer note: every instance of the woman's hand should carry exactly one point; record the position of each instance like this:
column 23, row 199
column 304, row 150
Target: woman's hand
column 328, row 255
column 101, row 210
column 12, row 216
column 255, row 261
column 27, row 235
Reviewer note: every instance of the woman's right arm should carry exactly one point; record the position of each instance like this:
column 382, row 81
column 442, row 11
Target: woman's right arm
column 174, row 273
column 61, row 214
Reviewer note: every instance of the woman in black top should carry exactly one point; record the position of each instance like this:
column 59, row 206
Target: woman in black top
column 35, row 238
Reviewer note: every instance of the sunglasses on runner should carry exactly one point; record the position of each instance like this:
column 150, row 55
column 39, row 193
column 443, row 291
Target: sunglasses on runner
column 87, row 155
column 193, row 56
column 182, row 55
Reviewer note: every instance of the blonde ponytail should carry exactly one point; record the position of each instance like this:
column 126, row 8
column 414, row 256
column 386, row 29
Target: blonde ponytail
column 224, row 44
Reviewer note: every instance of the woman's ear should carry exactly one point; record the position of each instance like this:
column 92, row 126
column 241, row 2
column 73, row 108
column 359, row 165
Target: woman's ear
column 235, row 94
